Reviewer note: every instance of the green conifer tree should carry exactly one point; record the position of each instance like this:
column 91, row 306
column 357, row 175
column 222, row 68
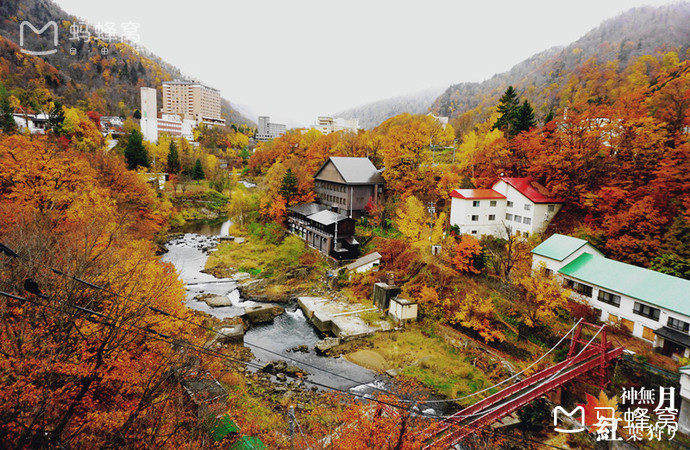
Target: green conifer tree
column 525, row 118
column 288, row 187
column 7, row 123
column 135, row 153
column 173, row 165
column 508, row 106
column 198, row 171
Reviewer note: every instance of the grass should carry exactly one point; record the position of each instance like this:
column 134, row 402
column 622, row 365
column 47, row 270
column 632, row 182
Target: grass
column 429, row 360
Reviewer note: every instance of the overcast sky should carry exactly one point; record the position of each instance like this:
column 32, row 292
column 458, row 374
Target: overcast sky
column 297, row 59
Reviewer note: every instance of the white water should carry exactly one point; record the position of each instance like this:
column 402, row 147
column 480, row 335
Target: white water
column 267, row 341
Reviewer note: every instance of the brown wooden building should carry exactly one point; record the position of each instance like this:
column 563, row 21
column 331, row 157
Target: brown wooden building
column 346, row 184
column 329, row 232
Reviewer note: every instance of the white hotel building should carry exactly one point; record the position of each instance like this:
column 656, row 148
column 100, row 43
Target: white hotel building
column 521, row 204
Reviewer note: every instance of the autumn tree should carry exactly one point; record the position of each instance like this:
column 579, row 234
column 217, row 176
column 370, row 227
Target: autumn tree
column 478, row 314
column 540, row 299
column 72, row 350
column 412, row 219
column 465, row 254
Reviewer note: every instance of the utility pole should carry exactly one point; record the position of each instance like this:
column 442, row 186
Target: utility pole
column 431, row 210
column 291, row 418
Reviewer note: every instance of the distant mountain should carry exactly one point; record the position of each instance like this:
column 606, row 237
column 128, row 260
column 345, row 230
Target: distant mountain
column 79, row 73
column 639, row 31
column 372, row 114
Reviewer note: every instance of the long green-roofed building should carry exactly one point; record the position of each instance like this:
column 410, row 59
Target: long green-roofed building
column 652, row 305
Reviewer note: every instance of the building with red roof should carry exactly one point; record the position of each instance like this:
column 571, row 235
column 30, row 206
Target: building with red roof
column 517, row 205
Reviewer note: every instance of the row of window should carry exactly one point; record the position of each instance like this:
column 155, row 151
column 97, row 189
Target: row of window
column 527, row 206
column 475, row 218
column 330, row 186
column 476, row 203
column 644, row 310
column 333, row 199
column 519, row 219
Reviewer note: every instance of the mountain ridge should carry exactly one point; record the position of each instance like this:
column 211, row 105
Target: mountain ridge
column 106, row 83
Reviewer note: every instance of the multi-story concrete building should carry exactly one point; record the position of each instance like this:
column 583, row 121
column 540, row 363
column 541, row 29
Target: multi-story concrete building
column 327, row 125
column 149, row 114
column 653, row 306
column 171, row 124
column 192, row 100
column 267, row 130
column 519, row 204
column 346, row 184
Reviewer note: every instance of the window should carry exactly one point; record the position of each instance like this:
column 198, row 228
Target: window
column 475, row 218
column 527, row 221
column 526, row 234
column 509, row 217
column 528, row 207
column 580, row 288
column 492, row 203
column 646, row 311
column 475, row 203
column 474, row 231
column 492, row 216
column 613, row 318
column 628, row 324
column 607, row 297
column 678, row 325
column 648, row 333
column 517, row 218
column 510, row 204
column 548, row 273
column 551, row 208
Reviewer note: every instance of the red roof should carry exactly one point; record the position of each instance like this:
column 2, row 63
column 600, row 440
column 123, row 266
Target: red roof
column 475, row 194
column 532, row 190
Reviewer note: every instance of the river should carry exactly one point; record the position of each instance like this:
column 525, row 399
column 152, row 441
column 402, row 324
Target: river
column 268, row 341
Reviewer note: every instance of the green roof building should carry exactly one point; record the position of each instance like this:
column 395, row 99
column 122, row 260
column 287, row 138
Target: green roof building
column 652, row 305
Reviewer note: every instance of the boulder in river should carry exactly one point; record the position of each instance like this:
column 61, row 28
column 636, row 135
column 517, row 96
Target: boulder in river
column 325, row 346
column 214, row 300
column 231, row 334
column 262, row 313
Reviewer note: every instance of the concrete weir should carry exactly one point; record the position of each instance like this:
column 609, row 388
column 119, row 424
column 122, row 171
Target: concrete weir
column 339, row 318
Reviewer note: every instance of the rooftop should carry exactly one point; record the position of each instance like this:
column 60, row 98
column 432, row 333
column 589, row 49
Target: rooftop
column 652, row 287
column 354, row 170
column 532, row 190
column 475, row 194
column 366, row 259
column 307, row 209
column 327, row 217
column 559, row 247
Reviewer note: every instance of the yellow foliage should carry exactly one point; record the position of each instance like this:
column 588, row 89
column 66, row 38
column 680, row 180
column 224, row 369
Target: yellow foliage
column 411, row 219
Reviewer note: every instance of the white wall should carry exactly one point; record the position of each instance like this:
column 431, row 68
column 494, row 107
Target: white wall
column 462, row 210
column 537, row 213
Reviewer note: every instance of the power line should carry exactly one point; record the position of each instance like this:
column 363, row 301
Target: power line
column 10, row 252
column 185, row 343
column 214, row 353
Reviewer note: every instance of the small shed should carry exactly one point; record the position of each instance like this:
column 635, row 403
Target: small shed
column 402, row 310
column 383, row 293
column 365, row 263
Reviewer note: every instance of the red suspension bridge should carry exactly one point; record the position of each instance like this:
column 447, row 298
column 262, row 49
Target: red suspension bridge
column 583, row 357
